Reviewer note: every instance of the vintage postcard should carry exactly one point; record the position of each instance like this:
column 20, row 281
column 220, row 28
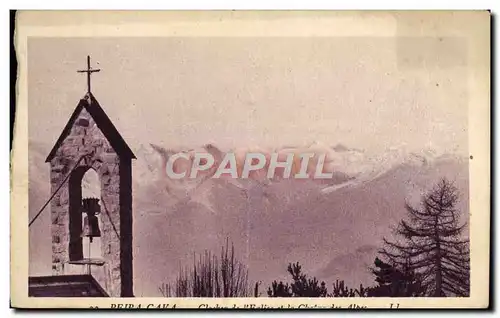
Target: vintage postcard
column 251, row 160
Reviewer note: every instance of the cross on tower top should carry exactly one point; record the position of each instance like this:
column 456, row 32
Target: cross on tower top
column 89, row 71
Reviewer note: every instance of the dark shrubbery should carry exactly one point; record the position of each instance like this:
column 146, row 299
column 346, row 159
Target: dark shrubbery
column 211, row 276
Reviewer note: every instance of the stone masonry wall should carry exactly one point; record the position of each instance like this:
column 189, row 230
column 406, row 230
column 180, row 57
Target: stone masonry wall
column 86, row 138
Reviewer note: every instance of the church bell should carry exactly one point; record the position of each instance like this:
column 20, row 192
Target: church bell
column 91, row 207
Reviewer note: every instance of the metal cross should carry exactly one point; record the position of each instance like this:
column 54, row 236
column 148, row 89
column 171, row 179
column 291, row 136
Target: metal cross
column 89, row 71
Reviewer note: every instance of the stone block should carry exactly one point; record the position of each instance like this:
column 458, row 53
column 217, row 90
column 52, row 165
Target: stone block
column 105, row 177
column 97, row 142
column 115, row 272
column 56, row 259
column 57, row 169
column 110, row 150
column 57, row 248
column 109, row 158
column 58, row 269
column 78, row 130
column 63, row 200
column 112, row 188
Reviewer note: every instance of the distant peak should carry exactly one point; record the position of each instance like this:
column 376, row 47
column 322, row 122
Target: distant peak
column 340, row 148
column 158, row 149
column 209, row 146
column 317, row 144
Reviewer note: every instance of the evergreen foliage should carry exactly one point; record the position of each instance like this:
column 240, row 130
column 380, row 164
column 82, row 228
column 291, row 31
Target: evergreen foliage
column 394, row 282
column 432, row 245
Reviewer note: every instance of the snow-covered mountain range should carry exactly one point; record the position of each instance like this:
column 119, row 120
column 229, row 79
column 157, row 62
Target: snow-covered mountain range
column 333, row 227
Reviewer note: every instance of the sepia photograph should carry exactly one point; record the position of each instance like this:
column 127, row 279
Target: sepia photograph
column 264, row 167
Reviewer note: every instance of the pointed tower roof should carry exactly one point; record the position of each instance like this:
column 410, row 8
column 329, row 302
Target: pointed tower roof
column 103, row 123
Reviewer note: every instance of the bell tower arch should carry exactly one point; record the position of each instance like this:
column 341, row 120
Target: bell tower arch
column 90, row 141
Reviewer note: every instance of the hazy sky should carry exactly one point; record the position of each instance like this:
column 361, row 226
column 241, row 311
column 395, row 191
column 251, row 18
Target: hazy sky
column 369, row 93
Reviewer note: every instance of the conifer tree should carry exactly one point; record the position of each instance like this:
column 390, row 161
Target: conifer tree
column 432, row 244
column 300, row 287
column 395, row 282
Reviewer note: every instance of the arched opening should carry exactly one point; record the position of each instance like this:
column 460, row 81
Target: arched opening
column 91, row 223
column 84, row 192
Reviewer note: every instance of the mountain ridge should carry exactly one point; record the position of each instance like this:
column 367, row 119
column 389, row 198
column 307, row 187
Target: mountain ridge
column 334, row 235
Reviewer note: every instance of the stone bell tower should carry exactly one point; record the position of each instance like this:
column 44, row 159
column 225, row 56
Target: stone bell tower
column 90, row 141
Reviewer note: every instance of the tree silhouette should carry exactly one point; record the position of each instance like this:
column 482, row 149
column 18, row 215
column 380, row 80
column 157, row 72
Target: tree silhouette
column 394, row 282
column 211, row 277
column 432, row 245
column 307, row 287
column 301, row 286
column 279, row 290
column 341, row 290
